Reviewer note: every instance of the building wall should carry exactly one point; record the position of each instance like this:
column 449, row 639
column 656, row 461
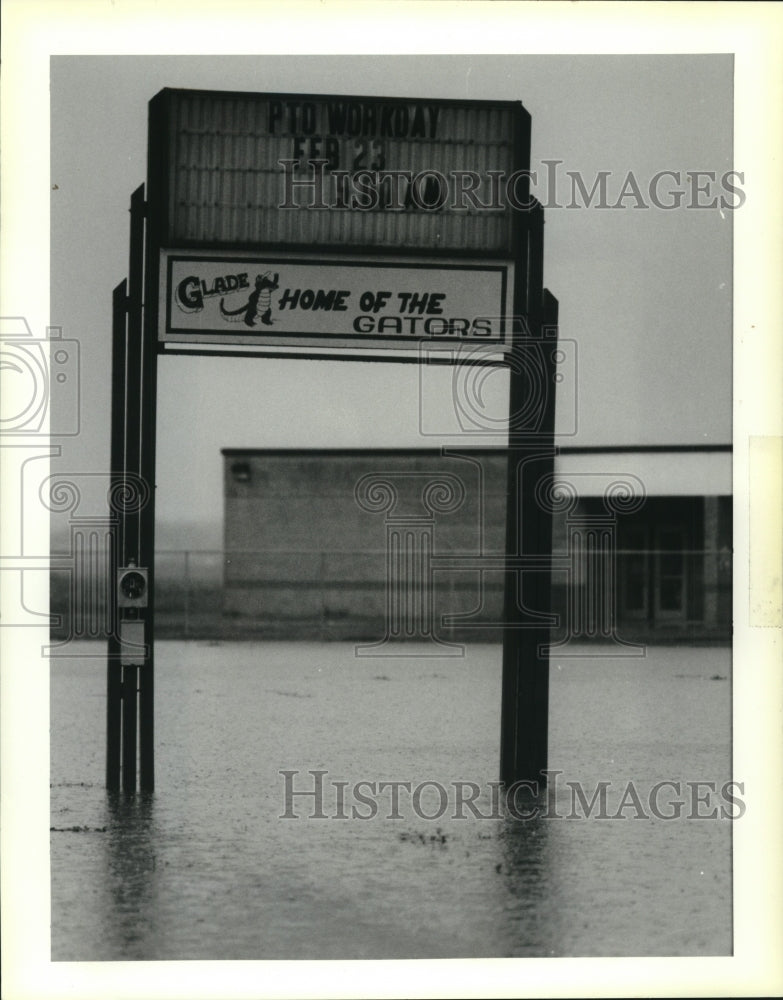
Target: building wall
column 308, row 537
column 303, row 547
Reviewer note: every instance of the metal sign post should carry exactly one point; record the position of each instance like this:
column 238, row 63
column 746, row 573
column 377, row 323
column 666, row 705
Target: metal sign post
column 129, row 713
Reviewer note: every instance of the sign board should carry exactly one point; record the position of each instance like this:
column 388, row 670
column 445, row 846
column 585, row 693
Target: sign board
column 366, row 173
column 294, row 300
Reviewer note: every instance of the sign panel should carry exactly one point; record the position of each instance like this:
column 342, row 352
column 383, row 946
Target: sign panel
column 292, row 300
column 434, row 176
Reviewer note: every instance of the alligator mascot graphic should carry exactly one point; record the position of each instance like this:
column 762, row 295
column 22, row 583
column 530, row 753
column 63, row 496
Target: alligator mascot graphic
column 258, row 306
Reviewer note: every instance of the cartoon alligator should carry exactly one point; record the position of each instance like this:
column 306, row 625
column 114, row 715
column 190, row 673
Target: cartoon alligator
column 258, row 306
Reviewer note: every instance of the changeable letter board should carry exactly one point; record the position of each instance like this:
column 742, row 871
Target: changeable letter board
column 349, row 222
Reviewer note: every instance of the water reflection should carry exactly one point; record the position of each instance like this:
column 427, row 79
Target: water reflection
column 525, row 858
column 527, row 871
column 130, row 864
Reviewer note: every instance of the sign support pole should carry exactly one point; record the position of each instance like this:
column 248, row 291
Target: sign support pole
column 129, row 679
column 113, row 669
column 148, row 432
column 525, row 683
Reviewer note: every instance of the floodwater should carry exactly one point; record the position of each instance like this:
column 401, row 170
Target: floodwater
column 205, row 868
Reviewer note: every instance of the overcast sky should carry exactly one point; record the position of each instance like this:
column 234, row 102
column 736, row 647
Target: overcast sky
column 645, row 294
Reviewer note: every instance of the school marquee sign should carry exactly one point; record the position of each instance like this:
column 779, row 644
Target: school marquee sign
column 363, row 227
column 283, row 300
column 343, row 222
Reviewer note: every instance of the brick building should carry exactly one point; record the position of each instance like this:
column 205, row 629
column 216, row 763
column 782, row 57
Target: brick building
column 351, row 543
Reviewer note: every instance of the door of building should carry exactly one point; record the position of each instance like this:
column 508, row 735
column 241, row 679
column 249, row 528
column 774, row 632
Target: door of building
column 653, row 574
column 634, row 575
column 670, row 583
